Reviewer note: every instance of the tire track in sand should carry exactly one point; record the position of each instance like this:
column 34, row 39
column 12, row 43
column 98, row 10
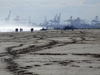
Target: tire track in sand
column 15, row 68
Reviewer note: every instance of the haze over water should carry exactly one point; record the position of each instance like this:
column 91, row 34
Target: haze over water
column 12, row 27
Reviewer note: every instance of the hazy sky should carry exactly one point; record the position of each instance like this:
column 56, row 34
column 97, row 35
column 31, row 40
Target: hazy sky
column 36, row 9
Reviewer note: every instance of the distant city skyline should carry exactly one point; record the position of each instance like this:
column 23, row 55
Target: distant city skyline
column 37, row 9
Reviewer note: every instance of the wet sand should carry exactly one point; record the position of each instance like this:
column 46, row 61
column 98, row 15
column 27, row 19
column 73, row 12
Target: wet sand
column 50, row 52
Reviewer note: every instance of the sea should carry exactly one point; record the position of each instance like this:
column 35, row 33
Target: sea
column 11, row 28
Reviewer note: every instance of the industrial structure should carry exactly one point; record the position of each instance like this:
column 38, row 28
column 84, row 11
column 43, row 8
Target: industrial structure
column 55, row 22
column 17, row 20
column 76, row 21
column 8, row 17
column 96, row 22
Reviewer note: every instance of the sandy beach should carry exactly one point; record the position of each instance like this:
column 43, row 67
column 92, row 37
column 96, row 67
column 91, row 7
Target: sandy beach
column 51, row 52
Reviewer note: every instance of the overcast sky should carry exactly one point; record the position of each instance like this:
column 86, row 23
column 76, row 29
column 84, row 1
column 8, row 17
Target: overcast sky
column 36, row 9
